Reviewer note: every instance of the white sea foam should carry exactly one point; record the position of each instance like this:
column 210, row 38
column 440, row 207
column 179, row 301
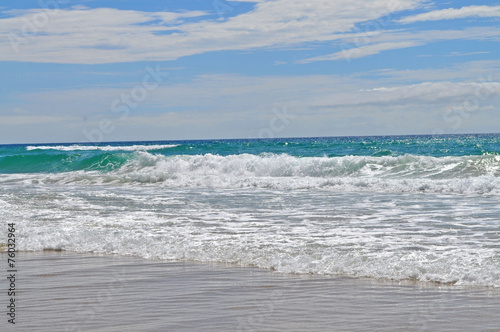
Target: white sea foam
column 283, row 165
column 424, row 238
column 408, row 173
column 101, row 148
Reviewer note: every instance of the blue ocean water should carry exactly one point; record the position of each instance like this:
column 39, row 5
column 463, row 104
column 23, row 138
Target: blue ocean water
column 398, row 207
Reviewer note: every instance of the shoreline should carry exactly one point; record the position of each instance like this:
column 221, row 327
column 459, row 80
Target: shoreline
column 380, row 281
column 59, row 290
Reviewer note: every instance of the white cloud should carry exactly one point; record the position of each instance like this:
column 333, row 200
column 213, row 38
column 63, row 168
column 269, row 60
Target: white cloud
column 359, row 52
column 328, row 105
column 237, row 93
column 451, row 13
column 230, row 106
column 484, row 70
column 422, row 93
column 105, row 35
column 465, row 54
column 225, row 105
column 390, row 40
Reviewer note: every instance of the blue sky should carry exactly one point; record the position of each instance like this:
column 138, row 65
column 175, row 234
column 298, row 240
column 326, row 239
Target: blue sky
column 83, row 71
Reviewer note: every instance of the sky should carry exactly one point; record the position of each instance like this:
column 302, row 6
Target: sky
column 130, row 70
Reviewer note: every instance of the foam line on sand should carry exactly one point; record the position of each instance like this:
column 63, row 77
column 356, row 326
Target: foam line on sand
column 62, row 291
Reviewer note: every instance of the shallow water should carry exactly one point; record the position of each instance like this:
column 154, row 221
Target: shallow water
column 428, row 237
column 74, row 292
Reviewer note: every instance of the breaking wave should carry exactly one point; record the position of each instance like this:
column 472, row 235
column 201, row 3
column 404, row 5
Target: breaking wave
column 100, row 148
column 407, row 173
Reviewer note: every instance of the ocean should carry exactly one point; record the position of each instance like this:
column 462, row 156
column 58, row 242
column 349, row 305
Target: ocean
column 400, row 208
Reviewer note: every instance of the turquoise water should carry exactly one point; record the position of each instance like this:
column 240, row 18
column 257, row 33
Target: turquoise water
column 52, row 158
column 402, row 207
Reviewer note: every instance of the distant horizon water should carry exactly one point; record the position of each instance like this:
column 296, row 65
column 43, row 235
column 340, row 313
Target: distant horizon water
column 99, row 142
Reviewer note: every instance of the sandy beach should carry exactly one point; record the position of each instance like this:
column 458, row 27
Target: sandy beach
column 64, row 291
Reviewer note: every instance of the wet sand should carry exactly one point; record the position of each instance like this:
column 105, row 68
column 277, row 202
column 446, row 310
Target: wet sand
column 62, row 291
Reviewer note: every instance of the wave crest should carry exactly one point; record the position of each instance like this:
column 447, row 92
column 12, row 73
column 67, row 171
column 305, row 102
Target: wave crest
column 408, row 173
column 101, row 148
